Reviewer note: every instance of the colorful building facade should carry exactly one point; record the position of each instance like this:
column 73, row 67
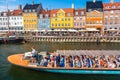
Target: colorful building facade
column 16, row 20
column 79, row 19
column 4, row 21
column 62, row 18
column 112, row 16
column 94, row 15
column 30, row 16
column 44, row 20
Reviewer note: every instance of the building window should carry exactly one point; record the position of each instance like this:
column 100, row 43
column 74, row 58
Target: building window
column 25, row 10
column 5, row 14
column 106, row 12
column 116, row 11
column 111, row 12
column 62, row 24
column 58, row 24
column 89, row 10
column 52, row 24
column 82, row 13
column 113, row 7
column 29, row 10
column 69, row 14
column 107, row 7
column 33, row 10
column 76, row 13
column 54, row 15
column 41, row 15
column 68, row 19
column 62, row 19
column 46, row 15
column 68, row 24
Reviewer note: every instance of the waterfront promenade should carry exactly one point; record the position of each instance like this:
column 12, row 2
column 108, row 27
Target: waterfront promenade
column 73, row 37
column 53, row 36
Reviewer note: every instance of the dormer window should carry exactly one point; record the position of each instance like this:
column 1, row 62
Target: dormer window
column 41, row 15
column 29, row 10
column 82, row 13
column 118, row 6
column 113, row 7
column 69, row 14
column 33, row 10
column 89, row 10
column 107, row 7
column 46, row 15
column 12, row 13
column 54, row 15
column 25, row 10
column 76, row 13
column 5, row 14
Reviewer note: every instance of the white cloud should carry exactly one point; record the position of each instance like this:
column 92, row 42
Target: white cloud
column 10, row 7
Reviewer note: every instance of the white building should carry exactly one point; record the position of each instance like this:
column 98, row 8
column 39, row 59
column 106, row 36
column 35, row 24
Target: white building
column 3, row 21
column 16, row 20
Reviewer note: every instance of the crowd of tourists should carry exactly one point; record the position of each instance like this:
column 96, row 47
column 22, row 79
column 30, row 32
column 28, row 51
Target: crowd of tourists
column 81, row 34
column 77, row 60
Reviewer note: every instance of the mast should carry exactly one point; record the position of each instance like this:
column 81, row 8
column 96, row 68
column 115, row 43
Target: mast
column 8, row 19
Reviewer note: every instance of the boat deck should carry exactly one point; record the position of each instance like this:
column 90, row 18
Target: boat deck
column 17, row 59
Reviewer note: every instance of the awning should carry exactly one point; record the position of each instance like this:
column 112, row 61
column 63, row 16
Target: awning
column 91, row 29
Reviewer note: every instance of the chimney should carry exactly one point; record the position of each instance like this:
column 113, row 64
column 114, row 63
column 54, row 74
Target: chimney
column 73, row 5
column 20, row 7
column 32, row 2
column 111, row 1
column 94, row 1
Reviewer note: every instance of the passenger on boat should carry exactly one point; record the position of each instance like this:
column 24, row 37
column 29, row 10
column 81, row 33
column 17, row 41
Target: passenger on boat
column 57, row 60
column 70, row 61
column 34, row 55
column 62, row 61
column 112, row 64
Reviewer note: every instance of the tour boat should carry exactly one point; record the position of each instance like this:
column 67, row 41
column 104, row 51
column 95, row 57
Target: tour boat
column 17, row 60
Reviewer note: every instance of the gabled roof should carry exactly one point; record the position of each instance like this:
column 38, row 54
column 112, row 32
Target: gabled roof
column 31, row 6
column 66, row 10
column 79, row 12
column 110, row 5
column 45, row 12
column 16, row 12
column 98, row 5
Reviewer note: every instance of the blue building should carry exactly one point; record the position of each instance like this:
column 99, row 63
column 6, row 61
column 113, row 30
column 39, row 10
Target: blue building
column 44, row 20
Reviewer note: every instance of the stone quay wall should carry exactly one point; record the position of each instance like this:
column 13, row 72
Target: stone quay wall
column 72, row 39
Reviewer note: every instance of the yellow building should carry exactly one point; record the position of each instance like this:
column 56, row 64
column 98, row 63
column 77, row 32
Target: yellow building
column 30, row 21
column 30, row 16
column 62, row 18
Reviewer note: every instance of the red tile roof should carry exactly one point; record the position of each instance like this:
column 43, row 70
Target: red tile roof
column 79, row 12
column 108, row 6
column 67, row 10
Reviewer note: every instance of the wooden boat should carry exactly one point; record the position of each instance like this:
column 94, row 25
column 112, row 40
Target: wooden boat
column 18, row 61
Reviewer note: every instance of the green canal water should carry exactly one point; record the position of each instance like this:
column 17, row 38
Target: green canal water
column 10, row 72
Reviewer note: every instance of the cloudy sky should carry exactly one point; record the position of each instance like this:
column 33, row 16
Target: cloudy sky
column 50, row 4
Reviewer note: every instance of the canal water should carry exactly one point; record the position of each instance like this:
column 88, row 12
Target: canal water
column 10, row 72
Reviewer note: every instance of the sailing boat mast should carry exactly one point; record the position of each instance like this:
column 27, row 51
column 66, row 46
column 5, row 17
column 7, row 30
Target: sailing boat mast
column 8, row 19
